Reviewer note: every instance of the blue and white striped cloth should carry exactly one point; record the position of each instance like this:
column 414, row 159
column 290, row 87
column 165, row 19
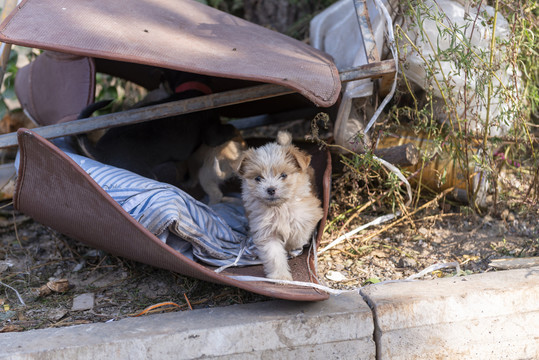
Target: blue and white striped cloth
column 215, row 235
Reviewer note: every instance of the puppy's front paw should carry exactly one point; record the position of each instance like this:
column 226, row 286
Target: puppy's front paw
column 273, row 256
column 280, row 275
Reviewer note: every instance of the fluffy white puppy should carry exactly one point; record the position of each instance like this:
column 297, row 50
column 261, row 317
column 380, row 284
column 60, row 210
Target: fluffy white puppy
column 279, row 198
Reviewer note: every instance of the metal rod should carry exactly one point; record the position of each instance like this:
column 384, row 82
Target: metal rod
column 364, row 20
column 180, row 107
column 369, row 71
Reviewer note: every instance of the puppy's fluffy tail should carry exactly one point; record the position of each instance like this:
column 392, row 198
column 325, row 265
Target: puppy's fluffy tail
column 284, row 138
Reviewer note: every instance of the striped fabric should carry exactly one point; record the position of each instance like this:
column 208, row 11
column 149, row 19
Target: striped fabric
column 216, row 234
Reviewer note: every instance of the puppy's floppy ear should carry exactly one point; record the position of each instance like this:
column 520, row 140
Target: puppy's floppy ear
column 284, row 138
column 239, row 164
column 301, row 157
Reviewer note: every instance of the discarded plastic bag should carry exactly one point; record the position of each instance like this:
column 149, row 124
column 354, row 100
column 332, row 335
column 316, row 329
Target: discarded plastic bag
column 441, row 32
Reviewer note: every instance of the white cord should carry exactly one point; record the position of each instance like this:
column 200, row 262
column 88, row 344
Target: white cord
column 16, row 292
column 397, row 172
column 235, row 263
column 434, row 268
column 295, row 283
column 339, row 292
column 377, row 221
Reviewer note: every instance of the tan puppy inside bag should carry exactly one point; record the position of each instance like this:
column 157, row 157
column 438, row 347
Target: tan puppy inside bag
column 279, row 198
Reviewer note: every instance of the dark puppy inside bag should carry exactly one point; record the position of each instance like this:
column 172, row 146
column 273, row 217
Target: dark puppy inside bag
column 145, row 148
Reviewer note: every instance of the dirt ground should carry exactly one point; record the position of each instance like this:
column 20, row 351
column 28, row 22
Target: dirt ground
column 441, row 234
column 86, row 285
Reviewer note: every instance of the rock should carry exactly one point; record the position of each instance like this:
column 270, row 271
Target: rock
column 406, row 262
column 6, row 315
column 83, row 302
column 79, row 266
column 424, row 232
column 56, row 314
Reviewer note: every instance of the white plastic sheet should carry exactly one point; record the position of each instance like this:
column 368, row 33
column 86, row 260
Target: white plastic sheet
column 336, row 31
column 434, row 36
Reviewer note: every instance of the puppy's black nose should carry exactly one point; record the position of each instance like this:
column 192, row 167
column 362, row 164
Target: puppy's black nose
column 270, row 191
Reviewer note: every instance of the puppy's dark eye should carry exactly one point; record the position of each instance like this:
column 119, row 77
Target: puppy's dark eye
column 283, row 176
column 258, row 178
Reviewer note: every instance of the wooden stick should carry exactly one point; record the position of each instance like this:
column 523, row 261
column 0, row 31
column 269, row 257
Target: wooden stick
column 404, row 155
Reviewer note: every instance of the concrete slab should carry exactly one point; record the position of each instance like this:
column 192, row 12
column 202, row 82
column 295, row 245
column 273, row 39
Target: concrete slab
column 485, row 316
column 339, row 328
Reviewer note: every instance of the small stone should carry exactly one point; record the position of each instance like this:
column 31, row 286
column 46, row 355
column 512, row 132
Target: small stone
column 6, row 315
column 83, row 302
column 423, row 231
column 58, row 273
column 93, row 253
column 79, row 266
column 56, row 314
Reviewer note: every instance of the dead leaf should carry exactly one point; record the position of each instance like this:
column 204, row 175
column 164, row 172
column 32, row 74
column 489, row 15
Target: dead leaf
column 379, row 254
column 336, row 276
column 61, row 285
column 11, row 328
column 5, row 265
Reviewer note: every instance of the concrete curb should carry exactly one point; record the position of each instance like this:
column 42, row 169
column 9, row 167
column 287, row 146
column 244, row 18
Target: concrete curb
column 339, row 328
column 486, row 316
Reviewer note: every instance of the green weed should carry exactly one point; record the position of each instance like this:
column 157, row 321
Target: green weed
column 469, row 122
